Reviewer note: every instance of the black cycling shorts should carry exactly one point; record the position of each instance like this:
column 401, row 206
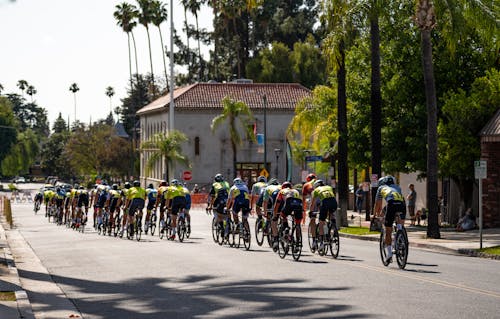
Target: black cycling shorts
column 293, row 205
column 137, row 204
column 327, row 207
column 243, row 205
column 394, row 207
column 178, row 204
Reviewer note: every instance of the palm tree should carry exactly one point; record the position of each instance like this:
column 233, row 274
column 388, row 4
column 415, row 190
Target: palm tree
column 160, row 15
column 109, row 93
column 22, row 85
column 166, row 147
column 74, row 88
column 234, row 112
column 125, row 15
column 145, row 18
column 1, row 88
column 31, row 91
column 484, row 17
column 338, row 16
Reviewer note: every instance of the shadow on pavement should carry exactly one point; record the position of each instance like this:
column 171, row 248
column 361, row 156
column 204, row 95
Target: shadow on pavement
column 197, row 297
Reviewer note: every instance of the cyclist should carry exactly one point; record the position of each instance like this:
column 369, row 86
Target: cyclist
column 113, row 202
column 257, row 190
column 176, row 202
column 47, row 197
column 218, row 197
column 38, row 200
column 188, row 208
column 269, row 195
column 389, row 191
column 151, row 194
column 160, row 198
column 239, row 199
column 288, row 201
column 136, row 199
column 307, row 189
column 323, row 197
column 100, row 199
column 58, row 201
column 68, row 198
column 81, row 200
column 124, row 201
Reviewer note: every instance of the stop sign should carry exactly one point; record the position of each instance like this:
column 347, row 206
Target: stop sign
column 186, row 175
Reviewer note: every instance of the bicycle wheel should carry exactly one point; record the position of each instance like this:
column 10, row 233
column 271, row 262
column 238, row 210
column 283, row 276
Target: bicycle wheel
column 237, row 231
column 269, row 234
column 221, row 237
column 334, row 241
column 215, row 233
column 117, row 226
column 401, row 244
column 181, row 229
column 247, row 236
column 259, row 231
column 138, row 229
column 162, row 230
column 297, row 243
column 283, row 246
column 383, row 254
column 310, row 239
column 152, row 224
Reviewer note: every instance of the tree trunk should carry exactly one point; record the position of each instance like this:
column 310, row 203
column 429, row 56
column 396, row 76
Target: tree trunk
column 342, row 126
column 375, row 100
column 432, row 149
column 129, row 61
column 233, row 145
column 151, row 64
column 135, row 53
column 200, row 70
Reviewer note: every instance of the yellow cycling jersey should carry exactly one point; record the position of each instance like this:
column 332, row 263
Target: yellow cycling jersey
column 49, row 194
column 114, row 193
column 323, row 192
column 136, row 192
column 174, row 191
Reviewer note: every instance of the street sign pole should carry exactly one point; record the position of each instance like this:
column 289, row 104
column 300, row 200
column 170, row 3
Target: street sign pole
column 480, row 172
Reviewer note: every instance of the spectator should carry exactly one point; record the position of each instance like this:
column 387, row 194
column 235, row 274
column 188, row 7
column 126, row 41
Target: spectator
column 411, row 199
column 196, row 189
column 467, row 222
column 359, row 198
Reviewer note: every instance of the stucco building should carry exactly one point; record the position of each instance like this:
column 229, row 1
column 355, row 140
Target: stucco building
column 210, row 153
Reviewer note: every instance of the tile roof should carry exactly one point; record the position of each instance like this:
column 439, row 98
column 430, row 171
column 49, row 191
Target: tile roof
column 493, row 126
column 209, row 96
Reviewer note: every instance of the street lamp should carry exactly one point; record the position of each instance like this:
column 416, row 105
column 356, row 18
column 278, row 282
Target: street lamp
column 277, row 151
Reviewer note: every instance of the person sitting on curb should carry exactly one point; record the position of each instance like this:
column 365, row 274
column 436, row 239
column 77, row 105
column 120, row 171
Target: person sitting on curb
column 467, row 222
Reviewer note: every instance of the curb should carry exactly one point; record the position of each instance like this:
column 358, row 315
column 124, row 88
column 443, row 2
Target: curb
column 438, row 248
column 23, row 303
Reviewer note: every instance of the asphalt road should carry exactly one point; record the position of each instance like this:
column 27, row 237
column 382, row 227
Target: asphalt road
column 106, row 277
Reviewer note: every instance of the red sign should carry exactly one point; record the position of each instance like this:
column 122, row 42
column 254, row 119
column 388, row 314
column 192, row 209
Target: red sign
column 186, row 175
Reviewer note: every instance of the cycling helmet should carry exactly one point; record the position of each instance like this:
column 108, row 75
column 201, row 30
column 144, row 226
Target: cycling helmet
column 174, row 182
column 262, row 178
column 273, row 181
column 150, row 185
column 127, row 185
column 310, row 177
column 218, row 178
column 58, row 189
column 318, row 183
column 386, row 180
column 81, row 187
column 104, row 183
column 238, row 181
column 76, row 186
column 115, row 186
column 163, row 183
column 136, row 183
column 286, row 185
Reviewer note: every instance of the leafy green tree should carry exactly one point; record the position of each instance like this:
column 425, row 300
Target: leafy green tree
column 138, row 97
column 308, row 64
column 29, row 115
column 464, row 115
column 22, row 85
column 238, row 117
column 31, row 91
column 60, row 125
column 166, row 147
column 22, row 155
column 8, row 131
column 1, row 88
column 53, row 158
column 273, row 65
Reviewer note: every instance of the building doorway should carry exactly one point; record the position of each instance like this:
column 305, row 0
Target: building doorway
column 249, row 172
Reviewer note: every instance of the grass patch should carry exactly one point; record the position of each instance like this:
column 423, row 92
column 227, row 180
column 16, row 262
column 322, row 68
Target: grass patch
column 491, row 250
column 7, row 296
column 358, row 231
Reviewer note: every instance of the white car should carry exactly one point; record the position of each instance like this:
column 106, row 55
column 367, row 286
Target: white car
column 20, row 180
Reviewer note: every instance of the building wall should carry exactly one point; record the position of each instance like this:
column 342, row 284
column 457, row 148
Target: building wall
column 490, row 151
column 215, row 153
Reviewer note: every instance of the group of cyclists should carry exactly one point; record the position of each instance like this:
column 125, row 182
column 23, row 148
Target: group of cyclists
column 271, row 201
column 71, row 207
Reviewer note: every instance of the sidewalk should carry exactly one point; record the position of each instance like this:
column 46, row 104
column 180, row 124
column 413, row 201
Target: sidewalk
column 451, row 241
column 10, row 284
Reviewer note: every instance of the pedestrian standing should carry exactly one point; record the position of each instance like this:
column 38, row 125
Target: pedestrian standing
column 411, row 199
column 359, row 198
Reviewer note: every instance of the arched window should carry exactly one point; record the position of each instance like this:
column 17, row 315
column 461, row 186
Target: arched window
column 196, row 145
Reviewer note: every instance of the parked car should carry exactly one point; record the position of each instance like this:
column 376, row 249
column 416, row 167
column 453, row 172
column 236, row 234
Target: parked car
column 20, row 179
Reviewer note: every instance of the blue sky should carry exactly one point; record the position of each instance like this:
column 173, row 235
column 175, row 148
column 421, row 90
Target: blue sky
column 54, row 43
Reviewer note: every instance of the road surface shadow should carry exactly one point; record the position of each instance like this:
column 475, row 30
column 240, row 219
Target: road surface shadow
column 206, row 296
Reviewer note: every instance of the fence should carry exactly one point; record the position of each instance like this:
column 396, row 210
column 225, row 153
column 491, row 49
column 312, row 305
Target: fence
column 6, row 209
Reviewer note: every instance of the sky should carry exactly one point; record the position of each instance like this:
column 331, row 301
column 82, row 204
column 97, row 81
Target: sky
column 54, row 43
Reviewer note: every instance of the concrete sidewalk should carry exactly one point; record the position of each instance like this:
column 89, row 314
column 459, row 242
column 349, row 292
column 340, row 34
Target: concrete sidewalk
column 10, row 284
column 451, row 241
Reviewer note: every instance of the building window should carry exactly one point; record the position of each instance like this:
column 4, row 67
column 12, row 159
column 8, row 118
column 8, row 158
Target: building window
column 196, row 145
